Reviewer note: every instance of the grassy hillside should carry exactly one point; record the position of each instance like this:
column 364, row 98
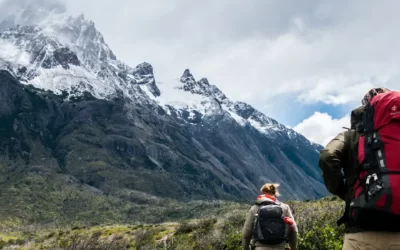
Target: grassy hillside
column 218, row 228
column 58, row 200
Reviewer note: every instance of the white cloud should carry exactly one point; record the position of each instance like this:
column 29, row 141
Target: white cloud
column 321, row 127
column 328, row 52
column 318, row 51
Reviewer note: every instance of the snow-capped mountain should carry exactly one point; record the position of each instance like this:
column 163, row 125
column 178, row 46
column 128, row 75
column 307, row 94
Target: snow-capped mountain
column 210, row 136
column 64, row 53
column 206, row 100
column 73, row 58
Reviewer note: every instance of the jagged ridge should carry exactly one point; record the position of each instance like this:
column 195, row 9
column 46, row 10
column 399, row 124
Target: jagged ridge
column 74, row 44
column 201, row 132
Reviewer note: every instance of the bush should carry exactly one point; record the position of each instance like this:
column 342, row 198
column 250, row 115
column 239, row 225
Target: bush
column 20, row 242
column 325, row 238
column 144, row 239
column 94, row 242
column 3, row 244
column 316, row 222
column 203, row 226
column 185, row 228
column 234, row 241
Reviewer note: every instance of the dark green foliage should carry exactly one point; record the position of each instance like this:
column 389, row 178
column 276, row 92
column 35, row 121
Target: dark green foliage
column 219, row 228
column 3, row 244
column 145, row 238
column 185, row 228
column 317, row 224
column 92, row 242
column 20, row 242
column 200, row 227
column 234, row 241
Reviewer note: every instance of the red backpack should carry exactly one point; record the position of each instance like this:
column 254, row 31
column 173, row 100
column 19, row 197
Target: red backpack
column 376, row 200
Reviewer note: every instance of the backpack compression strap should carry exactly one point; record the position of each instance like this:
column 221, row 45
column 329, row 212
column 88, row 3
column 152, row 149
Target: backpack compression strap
column 374, row 158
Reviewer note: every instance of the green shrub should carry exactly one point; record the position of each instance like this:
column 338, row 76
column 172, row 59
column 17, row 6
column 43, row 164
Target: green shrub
column 185, row 228
column 94, row 242
column 316, row 222
column 20, row 242
column 202, row 226
column 145, row 239
column 3, row 244
column 325, row 238
column 234, row 241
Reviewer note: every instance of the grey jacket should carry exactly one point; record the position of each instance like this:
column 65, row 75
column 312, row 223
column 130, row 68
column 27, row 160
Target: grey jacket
column 248, row 226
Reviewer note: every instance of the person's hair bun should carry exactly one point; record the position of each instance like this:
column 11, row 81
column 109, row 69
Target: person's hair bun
column 270, row 188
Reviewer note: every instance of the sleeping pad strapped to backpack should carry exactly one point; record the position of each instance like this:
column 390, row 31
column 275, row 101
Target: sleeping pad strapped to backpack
column 376, row 193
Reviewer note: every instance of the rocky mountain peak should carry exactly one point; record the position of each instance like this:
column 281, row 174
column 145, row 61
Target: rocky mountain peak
column 201, row 87
column 204, row 82
column 144, row 69
column 83, row 35
column 187, row 77
column 143, row 74
column 45, row 51
column 213, row 137
column 78, row 33
column 65, row 41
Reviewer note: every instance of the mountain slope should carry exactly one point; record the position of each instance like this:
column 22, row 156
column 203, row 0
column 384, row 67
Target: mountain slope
column 71, row 108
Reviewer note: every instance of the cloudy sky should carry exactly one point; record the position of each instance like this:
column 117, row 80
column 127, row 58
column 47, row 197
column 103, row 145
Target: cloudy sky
column 305, row 63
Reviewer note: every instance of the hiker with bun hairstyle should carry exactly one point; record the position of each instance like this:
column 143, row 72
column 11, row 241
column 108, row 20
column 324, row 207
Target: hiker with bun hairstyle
column 362, row 167
column 269, row 223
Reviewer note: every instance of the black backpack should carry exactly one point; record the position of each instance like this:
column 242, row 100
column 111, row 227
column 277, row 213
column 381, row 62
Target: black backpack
column 269, row 227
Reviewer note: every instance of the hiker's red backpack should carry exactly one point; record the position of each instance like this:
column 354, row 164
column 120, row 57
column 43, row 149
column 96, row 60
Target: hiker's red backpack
column 376, row 200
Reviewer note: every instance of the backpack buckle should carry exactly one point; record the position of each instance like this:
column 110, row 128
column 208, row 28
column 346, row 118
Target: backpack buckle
column 367, row 181
column 375, row 186
column 374, row 189
column 369, row 178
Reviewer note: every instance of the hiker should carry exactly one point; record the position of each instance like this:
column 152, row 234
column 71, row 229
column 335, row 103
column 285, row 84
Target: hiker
column 368, row 155
column 276, row 228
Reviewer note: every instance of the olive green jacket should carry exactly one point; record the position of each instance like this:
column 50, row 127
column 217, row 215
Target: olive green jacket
column 339, row 159
column 339, row 163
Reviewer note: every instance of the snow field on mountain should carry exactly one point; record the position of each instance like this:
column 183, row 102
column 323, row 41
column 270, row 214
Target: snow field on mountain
column 11, row 53
column 103, row 75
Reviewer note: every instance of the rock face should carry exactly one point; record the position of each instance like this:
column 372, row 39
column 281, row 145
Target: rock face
column 68, row 105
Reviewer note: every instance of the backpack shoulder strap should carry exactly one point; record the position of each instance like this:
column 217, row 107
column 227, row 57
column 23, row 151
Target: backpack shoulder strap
column 267, row 202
